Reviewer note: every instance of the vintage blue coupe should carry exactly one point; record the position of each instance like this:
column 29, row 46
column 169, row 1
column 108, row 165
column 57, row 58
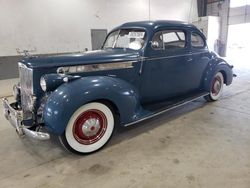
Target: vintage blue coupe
column 143, row 69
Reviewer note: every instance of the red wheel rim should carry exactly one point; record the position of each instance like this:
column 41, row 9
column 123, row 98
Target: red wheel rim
column 89, row 127
column 216, row 86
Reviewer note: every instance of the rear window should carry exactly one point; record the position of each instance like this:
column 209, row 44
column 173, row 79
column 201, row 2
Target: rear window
column 197, row 41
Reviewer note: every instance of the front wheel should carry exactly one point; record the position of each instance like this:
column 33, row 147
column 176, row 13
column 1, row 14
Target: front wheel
column 216, row 87
column 89, row 128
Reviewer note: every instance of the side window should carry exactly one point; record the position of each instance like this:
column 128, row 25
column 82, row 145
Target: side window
column 197, row 41
column 181, row 35
column 174, row 39
column 157, row 42
column 169, row 39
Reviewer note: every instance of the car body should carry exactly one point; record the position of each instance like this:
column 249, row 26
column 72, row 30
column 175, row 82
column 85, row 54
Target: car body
column 143, row 69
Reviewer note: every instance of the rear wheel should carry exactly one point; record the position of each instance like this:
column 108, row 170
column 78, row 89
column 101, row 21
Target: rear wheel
column 89, row 128
column 216, row 87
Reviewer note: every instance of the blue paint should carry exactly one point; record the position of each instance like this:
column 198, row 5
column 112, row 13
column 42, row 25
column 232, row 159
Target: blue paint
column 157, row 75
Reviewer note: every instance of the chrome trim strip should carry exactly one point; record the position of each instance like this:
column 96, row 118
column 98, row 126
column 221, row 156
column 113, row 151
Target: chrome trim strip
column 168, row 57
column 163, row 111
column 95, row 67
column 26, row 75
column 26, row 89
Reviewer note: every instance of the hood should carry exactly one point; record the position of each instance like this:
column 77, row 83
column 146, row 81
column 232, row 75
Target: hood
column 91, row 57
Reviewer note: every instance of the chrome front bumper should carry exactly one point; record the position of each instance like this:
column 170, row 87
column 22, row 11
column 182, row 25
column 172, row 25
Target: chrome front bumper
column 15, row 117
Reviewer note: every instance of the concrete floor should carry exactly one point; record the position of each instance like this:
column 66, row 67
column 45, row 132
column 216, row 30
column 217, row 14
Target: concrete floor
column 198, row 145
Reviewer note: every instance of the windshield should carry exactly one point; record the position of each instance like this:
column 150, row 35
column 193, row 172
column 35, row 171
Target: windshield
column 126, row 38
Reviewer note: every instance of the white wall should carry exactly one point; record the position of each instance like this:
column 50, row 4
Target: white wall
column 55, row 26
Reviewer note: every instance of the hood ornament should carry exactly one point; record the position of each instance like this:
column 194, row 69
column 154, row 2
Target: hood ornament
column 25, row 53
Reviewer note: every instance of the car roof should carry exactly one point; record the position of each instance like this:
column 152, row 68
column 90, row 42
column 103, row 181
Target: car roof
column 151, row 26
column 157, row 23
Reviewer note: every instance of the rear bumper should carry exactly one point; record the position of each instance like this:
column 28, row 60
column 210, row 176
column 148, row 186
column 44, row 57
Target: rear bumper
column 15, row 117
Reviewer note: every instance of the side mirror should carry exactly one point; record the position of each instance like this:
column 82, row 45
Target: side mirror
column 155, row 44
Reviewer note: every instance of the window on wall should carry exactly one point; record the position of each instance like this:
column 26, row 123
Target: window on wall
column 197, row 41
column 239, row 3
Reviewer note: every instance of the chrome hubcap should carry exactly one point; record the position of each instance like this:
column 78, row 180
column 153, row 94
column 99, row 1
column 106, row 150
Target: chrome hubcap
column 91, row 127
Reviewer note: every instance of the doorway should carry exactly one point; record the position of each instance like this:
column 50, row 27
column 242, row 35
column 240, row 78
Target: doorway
column 238, row 45
column 97, row 38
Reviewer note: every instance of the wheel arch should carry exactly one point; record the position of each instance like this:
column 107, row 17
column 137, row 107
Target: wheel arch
column 223, row 72
column 113, row 107
column 110, row 104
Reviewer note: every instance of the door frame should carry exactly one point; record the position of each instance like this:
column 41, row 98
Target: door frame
column 91, row 34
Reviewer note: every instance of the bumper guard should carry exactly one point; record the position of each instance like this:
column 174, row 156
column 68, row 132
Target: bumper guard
column 15, row 117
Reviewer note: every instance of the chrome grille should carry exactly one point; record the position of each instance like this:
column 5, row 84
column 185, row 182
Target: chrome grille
column 26, row 86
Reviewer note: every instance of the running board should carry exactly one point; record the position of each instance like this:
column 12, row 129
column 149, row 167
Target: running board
column 170, row 107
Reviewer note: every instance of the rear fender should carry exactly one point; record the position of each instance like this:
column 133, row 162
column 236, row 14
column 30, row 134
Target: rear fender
column 214, row 66
column 67, row 98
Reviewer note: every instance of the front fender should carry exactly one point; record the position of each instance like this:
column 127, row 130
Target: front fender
column 67, row 98
column 214, row 66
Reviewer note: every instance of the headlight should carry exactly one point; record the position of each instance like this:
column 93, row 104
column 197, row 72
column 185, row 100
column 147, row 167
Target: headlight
column 43, row 84
column 49, row 82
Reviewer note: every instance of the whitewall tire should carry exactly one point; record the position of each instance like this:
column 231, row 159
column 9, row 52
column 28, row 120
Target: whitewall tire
column 89, row 128
column 216, row 88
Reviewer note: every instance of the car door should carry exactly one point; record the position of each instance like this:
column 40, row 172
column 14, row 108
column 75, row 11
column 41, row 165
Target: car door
column 165, row 70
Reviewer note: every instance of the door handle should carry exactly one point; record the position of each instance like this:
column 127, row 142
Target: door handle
column 189, row 59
